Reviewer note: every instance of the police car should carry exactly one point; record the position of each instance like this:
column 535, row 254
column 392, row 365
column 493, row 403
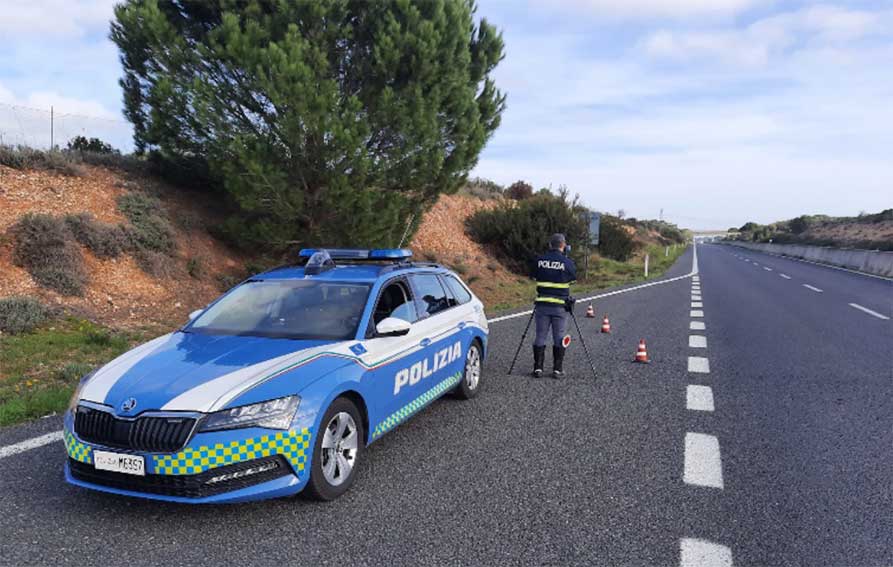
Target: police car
column 279, row 385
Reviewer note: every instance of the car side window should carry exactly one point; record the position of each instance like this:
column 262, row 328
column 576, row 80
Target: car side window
column 395, row 300
column 430, row 295
column 457, row 290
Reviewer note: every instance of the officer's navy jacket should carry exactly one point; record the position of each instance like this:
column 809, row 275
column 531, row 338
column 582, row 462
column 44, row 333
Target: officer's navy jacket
column 554, row 273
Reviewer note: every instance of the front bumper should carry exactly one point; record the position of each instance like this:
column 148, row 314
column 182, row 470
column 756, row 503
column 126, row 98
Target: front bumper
column 254, row 463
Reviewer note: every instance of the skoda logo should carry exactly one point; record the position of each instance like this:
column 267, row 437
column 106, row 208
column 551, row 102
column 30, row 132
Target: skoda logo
column 128, row 404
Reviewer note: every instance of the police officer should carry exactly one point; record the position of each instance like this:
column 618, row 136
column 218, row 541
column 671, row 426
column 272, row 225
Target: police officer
column 554, row 273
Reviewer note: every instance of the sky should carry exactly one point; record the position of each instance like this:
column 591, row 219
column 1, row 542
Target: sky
column 716, row 112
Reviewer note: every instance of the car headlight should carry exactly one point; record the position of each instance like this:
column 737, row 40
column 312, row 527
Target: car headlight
column 272, row 414
column 75, row 398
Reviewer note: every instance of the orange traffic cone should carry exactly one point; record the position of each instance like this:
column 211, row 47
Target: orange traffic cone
column 606, row 325
column 590, row 312
column 642, row 354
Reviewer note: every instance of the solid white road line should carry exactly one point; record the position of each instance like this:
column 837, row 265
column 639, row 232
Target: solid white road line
column 696, row 313
column 703, row 553
column 697, row 341
column 703, row 464
column 696, row 304
column 698, row 364
column 767, row 268
column 869, row 311
column 698, row 398
column 29, row 444
column 785, row 276
column 815, row 289
column 697, row 326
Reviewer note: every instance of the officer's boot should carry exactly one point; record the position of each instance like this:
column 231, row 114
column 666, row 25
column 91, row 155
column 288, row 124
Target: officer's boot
column 539, row 359
column 558, row 362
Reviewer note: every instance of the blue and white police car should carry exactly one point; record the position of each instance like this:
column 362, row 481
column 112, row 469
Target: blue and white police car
column 279, row 385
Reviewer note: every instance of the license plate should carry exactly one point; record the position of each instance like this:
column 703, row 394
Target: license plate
column 119, row 462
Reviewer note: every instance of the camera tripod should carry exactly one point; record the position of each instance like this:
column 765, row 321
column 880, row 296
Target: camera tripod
column 569, row 307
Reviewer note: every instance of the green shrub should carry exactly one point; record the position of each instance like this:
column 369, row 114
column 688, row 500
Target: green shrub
column 614, row 241
column 149, row 228
column 156, row 264
column 94, row 145
column 23, row 157
column 482, row 189
column 520, row 230
column 104, row 240
column 519, row 190
column 20, row 314
column 115, row 160
column 195, row 268
column 47, row 249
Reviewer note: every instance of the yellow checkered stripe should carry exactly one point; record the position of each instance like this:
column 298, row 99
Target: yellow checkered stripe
column 403, row 413
column 293, row 445
column 77, row 450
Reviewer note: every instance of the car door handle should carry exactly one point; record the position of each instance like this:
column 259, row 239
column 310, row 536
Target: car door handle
column 425, row 342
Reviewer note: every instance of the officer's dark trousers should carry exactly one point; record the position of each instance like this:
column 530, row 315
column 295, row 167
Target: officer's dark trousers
column 549, row 316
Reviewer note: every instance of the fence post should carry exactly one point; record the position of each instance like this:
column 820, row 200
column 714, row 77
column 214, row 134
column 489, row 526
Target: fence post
column 667, row 252
column 646, row 265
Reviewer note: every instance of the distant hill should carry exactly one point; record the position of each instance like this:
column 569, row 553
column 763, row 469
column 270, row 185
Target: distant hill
column 866, row 231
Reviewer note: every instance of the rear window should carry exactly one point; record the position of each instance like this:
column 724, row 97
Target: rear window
column 457, row 290
column 430, row 295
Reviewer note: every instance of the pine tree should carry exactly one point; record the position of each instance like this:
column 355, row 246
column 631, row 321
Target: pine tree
column 329, row 122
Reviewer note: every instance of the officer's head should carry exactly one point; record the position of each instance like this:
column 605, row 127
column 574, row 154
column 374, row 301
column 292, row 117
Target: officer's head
column 557, row 242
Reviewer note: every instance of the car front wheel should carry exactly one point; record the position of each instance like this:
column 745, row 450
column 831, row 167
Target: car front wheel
column 337, row 451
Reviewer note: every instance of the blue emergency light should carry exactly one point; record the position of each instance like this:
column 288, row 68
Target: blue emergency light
column 359, row 254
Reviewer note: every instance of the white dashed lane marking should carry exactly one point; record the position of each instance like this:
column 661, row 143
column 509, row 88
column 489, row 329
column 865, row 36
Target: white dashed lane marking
column 697, row 326
column 703, row 553
column 34, row 443
column 698, row 364
column 696, row 313
column 695, row 297
column 696, row 305
column 699, row 398
column 785, row 276
column 703, row 464
column 767, row 268
column 697, row 341
column 869, row 311
column 815, row 289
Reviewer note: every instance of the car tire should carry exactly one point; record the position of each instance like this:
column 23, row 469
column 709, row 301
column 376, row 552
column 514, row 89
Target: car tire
column 470, row 383
column 331, row 476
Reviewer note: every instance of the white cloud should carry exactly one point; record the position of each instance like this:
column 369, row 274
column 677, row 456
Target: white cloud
column 662, row 9
column 788, row 115
column 756, row 43
column 50, row 19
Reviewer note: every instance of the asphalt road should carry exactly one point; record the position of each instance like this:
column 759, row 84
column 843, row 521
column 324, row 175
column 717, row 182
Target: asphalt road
column 791, row 467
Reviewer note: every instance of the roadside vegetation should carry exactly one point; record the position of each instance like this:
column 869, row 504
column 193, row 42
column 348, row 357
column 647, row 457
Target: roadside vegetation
column 40, row 366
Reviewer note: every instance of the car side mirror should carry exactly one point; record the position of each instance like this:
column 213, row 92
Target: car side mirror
column 392, row 327
column 195, row 314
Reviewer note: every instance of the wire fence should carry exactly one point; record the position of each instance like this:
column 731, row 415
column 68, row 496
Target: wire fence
column 47, row 128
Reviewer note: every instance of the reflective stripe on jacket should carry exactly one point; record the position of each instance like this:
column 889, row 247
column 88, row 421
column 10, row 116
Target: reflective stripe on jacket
column 554, row 273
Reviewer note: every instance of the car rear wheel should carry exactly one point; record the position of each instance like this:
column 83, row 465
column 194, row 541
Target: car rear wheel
column 470, row 384
column 337, row 451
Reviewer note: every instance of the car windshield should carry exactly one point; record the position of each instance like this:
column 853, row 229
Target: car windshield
column 287, row 309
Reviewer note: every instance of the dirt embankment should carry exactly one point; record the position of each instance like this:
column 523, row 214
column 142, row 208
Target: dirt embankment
column 119, row 293
column 442, row 238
